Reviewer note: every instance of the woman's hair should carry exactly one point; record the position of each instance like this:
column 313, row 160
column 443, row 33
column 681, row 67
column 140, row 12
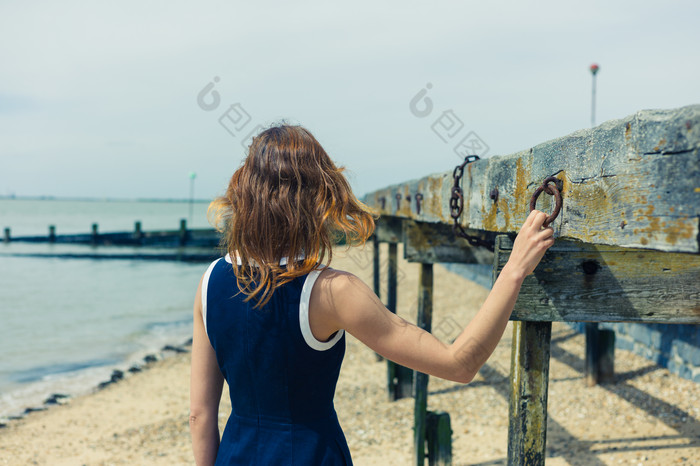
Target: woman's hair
column 288, row 199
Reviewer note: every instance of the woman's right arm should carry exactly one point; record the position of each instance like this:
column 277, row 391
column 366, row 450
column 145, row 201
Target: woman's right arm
column 349, row 304
column 206, row 384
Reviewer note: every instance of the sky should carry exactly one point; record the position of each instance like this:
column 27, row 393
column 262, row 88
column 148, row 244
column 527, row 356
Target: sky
column 128, row 99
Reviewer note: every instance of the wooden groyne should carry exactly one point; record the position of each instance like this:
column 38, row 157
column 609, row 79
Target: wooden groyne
column 203, row 237
column 628, row 245
column 182, row 244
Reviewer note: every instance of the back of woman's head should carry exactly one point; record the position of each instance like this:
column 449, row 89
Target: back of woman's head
column 288, row 199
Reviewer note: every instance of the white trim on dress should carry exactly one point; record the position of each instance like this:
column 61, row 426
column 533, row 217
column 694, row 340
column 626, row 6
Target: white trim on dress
column 205, row 285
column 304, row 317
column 283, row 261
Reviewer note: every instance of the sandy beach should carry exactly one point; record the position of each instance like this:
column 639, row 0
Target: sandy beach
column 648, row 416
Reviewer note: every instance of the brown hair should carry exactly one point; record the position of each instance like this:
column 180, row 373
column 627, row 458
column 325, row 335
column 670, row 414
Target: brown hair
column 288, row 199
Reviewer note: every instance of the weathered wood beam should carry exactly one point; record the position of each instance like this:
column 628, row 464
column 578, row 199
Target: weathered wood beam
column 633, row 182
column 435, row 242
column 389, row 229
column 594, row 283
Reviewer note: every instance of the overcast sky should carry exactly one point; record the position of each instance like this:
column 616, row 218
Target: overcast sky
column 108, row 99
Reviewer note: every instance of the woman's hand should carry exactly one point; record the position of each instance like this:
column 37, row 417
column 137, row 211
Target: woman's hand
column 530, row 245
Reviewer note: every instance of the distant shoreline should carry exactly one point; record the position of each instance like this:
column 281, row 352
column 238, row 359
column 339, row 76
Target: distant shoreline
column 99, row 199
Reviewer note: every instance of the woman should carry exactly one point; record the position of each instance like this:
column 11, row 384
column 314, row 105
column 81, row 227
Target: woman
column 271, row 320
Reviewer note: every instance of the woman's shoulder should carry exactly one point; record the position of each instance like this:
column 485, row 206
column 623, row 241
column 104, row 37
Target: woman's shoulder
column 339, row 283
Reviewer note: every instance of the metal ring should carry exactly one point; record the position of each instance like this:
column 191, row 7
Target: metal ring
column 552, row 191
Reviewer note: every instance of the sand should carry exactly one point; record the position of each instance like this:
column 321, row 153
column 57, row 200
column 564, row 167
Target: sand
column 648, row 416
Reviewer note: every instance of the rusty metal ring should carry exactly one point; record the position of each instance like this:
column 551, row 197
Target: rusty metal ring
column 552, row 191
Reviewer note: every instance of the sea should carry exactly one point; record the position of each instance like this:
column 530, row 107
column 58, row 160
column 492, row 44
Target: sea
column 68, row 322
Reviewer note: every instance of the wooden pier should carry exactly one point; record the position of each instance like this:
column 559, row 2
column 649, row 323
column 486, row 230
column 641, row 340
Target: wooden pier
column 628, row 244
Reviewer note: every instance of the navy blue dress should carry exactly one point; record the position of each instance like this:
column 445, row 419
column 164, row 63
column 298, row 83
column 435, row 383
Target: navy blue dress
column 281, row 379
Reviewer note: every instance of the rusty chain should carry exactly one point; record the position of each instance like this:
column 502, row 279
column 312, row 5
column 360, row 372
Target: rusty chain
column 457, row 205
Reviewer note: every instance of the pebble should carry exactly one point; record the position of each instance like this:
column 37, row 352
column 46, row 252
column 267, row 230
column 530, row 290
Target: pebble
column 56, row 399
column 176, row 349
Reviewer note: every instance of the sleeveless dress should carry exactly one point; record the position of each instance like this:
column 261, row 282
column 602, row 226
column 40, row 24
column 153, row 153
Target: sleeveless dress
column 281, row 379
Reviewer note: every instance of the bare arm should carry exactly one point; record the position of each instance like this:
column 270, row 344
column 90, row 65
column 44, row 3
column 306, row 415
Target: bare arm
column 345, row 301
column 206, row 384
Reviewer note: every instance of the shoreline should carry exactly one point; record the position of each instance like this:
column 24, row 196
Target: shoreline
column 117, row 371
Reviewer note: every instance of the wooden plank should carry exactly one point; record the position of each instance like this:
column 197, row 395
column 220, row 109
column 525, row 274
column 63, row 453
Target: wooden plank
column 593, row 283
column 436, row 242
column 529, row 375
column 424, row 320
column 633, row 182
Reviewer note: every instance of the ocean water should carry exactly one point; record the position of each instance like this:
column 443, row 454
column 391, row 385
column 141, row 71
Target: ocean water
column 66, row 324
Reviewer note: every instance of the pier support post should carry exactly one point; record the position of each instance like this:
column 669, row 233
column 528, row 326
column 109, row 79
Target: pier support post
column 607, row 356
column 183, row 231
column 399, row 378
column 6, row 238
column 376, row 283
column 424, row 321
column 392, row 273
column 438, row 437
column 52, row 233
column 375, row 266
column 600, row 355
column 529, row 376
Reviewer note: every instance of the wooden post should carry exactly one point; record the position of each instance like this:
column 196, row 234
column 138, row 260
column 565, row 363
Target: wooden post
column 399, row 378
column 600, row 355
column 392, row 272
column 95, row 234
column 424, row 321
column 529, row 376
column 375, row 266
column 138, row 233
column 52, row 233
column 183, row 231
column 607, row 356
column 438, row 438
column 592, row 353
column 7, row 235
column 376, row 282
